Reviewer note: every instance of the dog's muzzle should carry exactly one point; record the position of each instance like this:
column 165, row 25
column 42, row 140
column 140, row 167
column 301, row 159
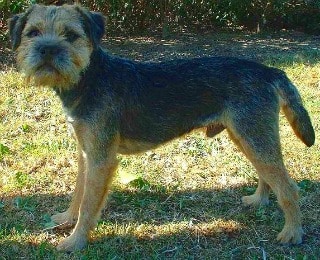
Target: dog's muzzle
column 49, row 55
column 48, row 52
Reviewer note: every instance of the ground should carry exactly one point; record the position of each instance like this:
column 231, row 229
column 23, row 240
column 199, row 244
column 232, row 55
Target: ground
column 180, row 201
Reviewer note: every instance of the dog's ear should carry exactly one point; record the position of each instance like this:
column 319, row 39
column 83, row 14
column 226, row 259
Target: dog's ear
column 16, row 25
column 94, row 25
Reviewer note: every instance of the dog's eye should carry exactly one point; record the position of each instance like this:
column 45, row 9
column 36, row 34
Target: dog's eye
column 71, row 36
column 34, row 33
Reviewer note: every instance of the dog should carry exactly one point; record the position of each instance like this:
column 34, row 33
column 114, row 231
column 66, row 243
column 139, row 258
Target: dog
column 115, row 105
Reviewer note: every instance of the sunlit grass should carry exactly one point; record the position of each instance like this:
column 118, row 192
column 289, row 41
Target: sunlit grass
column 181, row 200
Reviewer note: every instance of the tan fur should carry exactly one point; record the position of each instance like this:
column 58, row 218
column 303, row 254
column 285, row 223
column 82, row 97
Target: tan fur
column 79, row 51
column 272, row 173
column 127, row 146
column 93, row 183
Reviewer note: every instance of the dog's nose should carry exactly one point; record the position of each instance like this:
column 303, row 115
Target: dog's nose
column 49, row 51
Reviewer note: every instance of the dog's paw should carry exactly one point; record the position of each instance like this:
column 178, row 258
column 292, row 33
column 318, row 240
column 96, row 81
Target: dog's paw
column 64, row 218
column 290, row 235
column 255, row 200
column 72, row 243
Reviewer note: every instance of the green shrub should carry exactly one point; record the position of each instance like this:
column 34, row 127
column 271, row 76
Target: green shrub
column 139, row 15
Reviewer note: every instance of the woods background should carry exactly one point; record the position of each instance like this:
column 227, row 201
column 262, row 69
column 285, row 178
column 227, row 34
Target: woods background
column 136, row 16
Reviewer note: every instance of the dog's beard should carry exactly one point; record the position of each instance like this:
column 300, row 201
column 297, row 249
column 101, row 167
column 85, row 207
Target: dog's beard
column 52, row 74
column 62, row 71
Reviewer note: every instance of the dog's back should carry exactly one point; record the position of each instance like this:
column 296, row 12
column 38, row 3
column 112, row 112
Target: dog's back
column 161, row 101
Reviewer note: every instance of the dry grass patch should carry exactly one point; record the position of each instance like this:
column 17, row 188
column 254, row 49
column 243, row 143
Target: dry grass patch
column 179, row 201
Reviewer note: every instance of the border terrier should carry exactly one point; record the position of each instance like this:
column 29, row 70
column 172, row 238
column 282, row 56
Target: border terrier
column 115, row 105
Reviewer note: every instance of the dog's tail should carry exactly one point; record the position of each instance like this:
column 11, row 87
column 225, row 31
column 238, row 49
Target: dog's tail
column 295, row 112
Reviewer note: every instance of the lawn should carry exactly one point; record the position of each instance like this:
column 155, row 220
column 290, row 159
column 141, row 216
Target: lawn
column 180, row 201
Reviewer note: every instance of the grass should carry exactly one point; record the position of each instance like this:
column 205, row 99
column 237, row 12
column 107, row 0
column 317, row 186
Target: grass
column 179, row 201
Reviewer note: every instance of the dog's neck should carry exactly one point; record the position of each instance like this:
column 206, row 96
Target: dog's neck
column 87, row 87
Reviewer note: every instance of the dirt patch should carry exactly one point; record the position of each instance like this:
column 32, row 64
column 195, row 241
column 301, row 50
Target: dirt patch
column 244, row 45
column 249, row 46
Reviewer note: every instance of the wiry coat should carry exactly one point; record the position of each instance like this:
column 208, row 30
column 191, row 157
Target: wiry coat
column 116, row 105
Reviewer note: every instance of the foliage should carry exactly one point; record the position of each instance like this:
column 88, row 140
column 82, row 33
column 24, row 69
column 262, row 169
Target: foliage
column 272, row 14
column 276, row 14
column 138, row 15
column 10, row 7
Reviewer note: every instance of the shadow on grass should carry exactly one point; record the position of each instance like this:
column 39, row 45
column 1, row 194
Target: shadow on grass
column 274, row 49
column 155, row 222
column 158, row 224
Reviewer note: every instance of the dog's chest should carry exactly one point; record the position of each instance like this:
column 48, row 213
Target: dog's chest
column 70, row 121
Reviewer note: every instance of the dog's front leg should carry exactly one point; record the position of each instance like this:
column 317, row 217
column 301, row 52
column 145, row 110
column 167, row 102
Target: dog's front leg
column 101, row 163
column 70, row 216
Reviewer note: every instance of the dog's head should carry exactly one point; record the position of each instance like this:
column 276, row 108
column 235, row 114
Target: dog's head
column 54, row 44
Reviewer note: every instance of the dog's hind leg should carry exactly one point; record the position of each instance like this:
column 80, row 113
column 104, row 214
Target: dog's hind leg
column 261, row 195
column 258, row 137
